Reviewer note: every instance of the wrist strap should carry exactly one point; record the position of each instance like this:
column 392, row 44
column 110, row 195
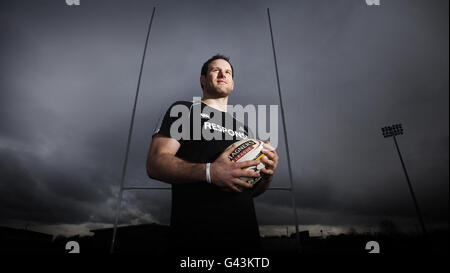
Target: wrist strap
column 208, row 173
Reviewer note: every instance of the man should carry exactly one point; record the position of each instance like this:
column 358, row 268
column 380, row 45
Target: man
column 212, row 209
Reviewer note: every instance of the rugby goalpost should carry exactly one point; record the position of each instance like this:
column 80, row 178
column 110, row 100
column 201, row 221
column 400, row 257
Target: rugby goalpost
column 130, row 133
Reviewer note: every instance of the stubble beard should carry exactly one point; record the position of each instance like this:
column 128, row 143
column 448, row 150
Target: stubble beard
column 216, row 92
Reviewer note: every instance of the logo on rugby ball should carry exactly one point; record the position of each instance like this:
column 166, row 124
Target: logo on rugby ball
column 248, row 149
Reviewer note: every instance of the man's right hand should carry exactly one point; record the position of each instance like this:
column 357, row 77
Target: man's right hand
column 225, row 173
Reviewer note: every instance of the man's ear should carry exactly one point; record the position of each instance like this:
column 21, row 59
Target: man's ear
column 203, row 80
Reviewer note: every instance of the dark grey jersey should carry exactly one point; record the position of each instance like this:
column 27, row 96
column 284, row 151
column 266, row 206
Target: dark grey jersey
column 200, row 210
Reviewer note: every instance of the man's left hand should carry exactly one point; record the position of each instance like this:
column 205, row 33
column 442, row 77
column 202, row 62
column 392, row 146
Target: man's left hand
column 270, row 161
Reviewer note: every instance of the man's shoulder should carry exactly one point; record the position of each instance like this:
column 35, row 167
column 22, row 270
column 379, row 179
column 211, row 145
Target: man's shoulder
column 166, row 119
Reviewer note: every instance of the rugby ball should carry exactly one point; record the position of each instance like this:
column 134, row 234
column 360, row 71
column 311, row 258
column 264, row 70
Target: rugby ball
column 248, row 149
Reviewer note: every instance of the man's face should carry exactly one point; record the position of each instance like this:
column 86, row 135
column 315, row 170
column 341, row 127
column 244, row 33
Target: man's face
column 219, row 79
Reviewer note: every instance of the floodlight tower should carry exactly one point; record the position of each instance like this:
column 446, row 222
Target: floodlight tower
column 392, row 131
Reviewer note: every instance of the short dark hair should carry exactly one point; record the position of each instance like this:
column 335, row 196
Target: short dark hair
column 215, row 57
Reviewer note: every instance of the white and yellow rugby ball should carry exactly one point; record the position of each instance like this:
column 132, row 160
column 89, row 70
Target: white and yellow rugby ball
column 248, row 149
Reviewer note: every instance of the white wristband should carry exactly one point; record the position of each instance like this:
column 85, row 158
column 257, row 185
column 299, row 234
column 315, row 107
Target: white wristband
column 208, row 173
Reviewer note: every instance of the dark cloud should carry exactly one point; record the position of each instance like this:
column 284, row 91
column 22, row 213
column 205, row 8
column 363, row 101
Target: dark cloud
column 33, row 191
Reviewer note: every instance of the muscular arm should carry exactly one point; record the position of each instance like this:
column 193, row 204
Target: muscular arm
column 163, row 165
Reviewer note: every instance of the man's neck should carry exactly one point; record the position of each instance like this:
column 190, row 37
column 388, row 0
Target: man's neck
column 216, row 103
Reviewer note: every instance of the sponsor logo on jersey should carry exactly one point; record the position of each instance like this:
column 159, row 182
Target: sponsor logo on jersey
column 203, row 115
column 219, row 128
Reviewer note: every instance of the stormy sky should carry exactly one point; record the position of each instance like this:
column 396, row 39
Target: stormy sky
column 68, row 76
